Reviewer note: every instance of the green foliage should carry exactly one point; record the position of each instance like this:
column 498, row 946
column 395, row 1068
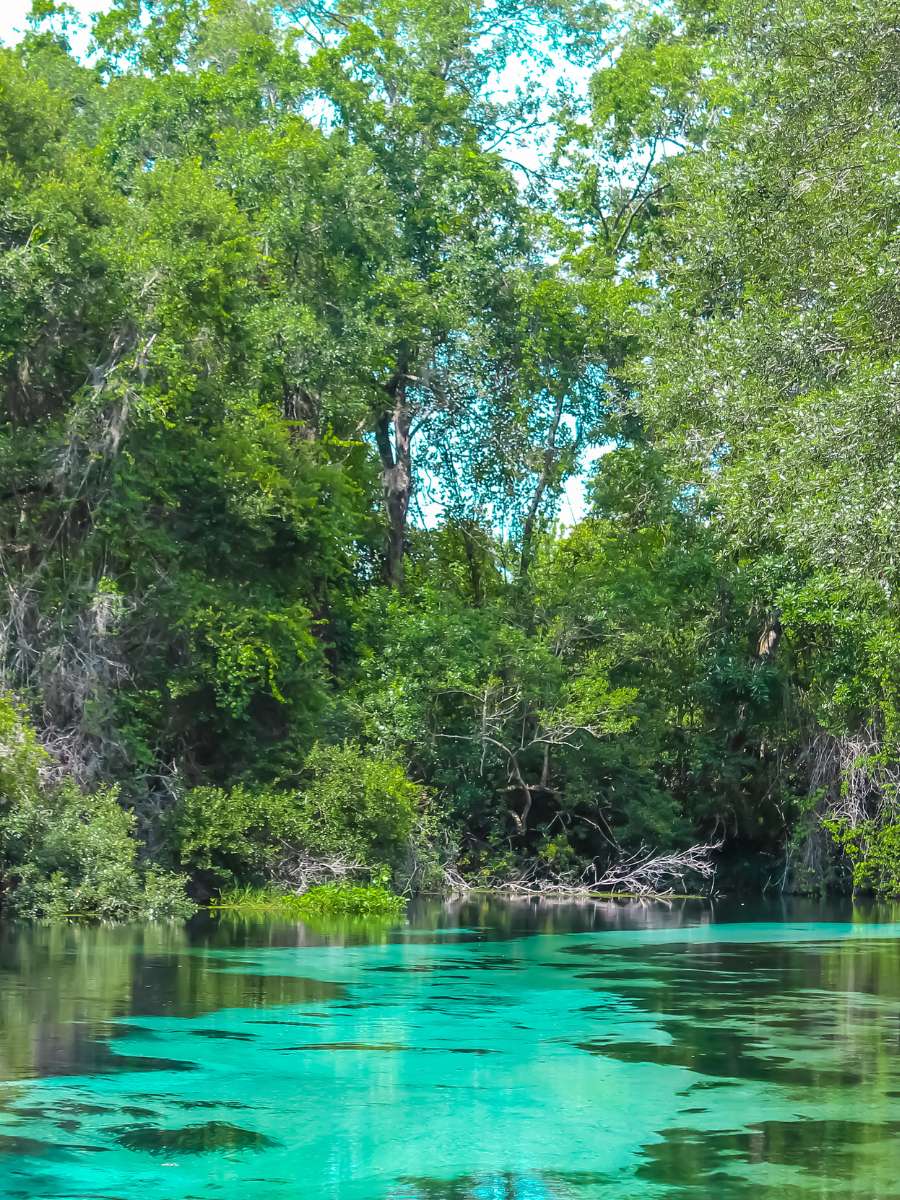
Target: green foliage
column 350, row 900
column 767, row 369
column 63, row 851
column 616, row 699
column 873, row 849
column 358, row 803
column 352, row 805
column 269, row 274
column 252, row 897
column 21, row 757
column 236, row 832
column 770, row 359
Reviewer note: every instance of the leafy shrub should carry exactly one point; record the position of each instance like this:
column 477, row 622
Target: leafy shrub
column 874, row 854
column 353, row 805
column 62, row 851
column 75, row 853
column 21, row 758
column 233, row 833
column 359, row 804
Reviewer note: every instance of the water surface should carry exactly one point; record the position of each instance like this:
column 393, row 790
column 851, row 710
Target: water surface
column 479, row 1051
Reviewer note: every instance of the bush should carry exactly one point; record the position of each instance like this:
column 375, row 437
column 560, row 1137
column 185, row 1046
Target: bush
column 21, row 758
column 235, row 833
column 65, row 852
column 353, row 806
column 874, row 854
column 358, row 804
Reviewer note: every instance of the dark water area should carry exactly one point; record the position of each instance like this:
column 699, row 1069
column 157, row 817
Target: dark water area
column 477, row 1050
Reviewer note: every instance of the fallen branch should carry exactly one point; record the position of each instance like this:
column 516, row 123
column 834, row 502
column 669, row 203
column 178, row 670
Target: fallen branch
column 642, row 873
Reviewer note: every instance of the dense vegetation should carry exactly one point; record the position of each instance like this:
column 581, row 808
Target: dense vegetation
column 310, row 320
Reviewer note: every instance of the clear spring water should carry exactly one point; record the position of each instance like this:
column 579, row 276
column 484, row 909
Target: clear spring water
column 480, row 1051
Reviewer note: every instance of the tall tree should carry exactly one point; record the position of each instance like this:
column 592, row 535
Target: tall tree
column 770, row 367
column 428, row 267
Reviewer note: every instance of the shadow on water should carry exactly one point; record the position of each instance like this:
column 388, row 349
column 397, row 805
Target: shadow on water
column 209, row 1138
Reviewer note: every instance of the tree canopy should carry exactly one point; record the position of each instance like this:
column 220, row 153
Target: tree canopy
column 309, row 315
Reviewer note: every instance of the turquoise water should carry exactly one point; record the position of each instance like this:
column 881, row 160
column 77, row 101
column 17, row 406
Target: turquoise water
column 479, row 1051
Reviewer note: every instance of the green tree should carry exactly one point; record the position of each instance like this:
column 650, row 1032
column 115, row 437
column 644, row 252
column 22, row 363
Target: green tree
column 769, row 361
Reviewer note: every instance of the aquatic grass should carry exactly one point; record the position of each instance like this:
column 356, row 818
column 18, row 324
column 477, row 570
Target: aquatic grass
column 248, row 896
column 351, row 900
column 326, row 900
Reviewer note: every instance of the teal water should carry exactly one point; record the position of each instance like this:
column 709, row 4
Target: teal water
column 479, row 1051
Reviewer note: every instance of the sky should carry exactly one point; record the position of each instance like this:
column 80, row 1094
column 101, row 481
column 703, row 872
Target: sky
column 13, row 21
column 12, row 17
column 14, row 13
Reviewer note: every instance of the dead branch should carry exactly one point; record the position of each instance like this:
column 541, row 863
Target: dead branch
column 855, row 782
column 298, row 870
column 510, row 726
column 643, row 873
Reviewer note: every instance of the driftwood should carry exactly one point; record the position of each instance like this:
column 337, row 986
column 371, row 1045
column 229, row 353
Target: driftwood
column 456, row 884
column 642, row 873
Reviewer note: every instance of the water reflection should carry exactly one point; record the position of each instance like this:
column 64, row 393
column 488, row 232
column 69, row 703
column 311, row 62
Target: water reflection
column 480, row 1051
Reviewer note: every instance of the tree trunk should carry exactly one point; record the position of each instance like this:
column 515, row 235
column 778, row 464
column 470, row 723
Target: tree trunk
column 301, row 414
column 540, row 488
column 396, row 478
